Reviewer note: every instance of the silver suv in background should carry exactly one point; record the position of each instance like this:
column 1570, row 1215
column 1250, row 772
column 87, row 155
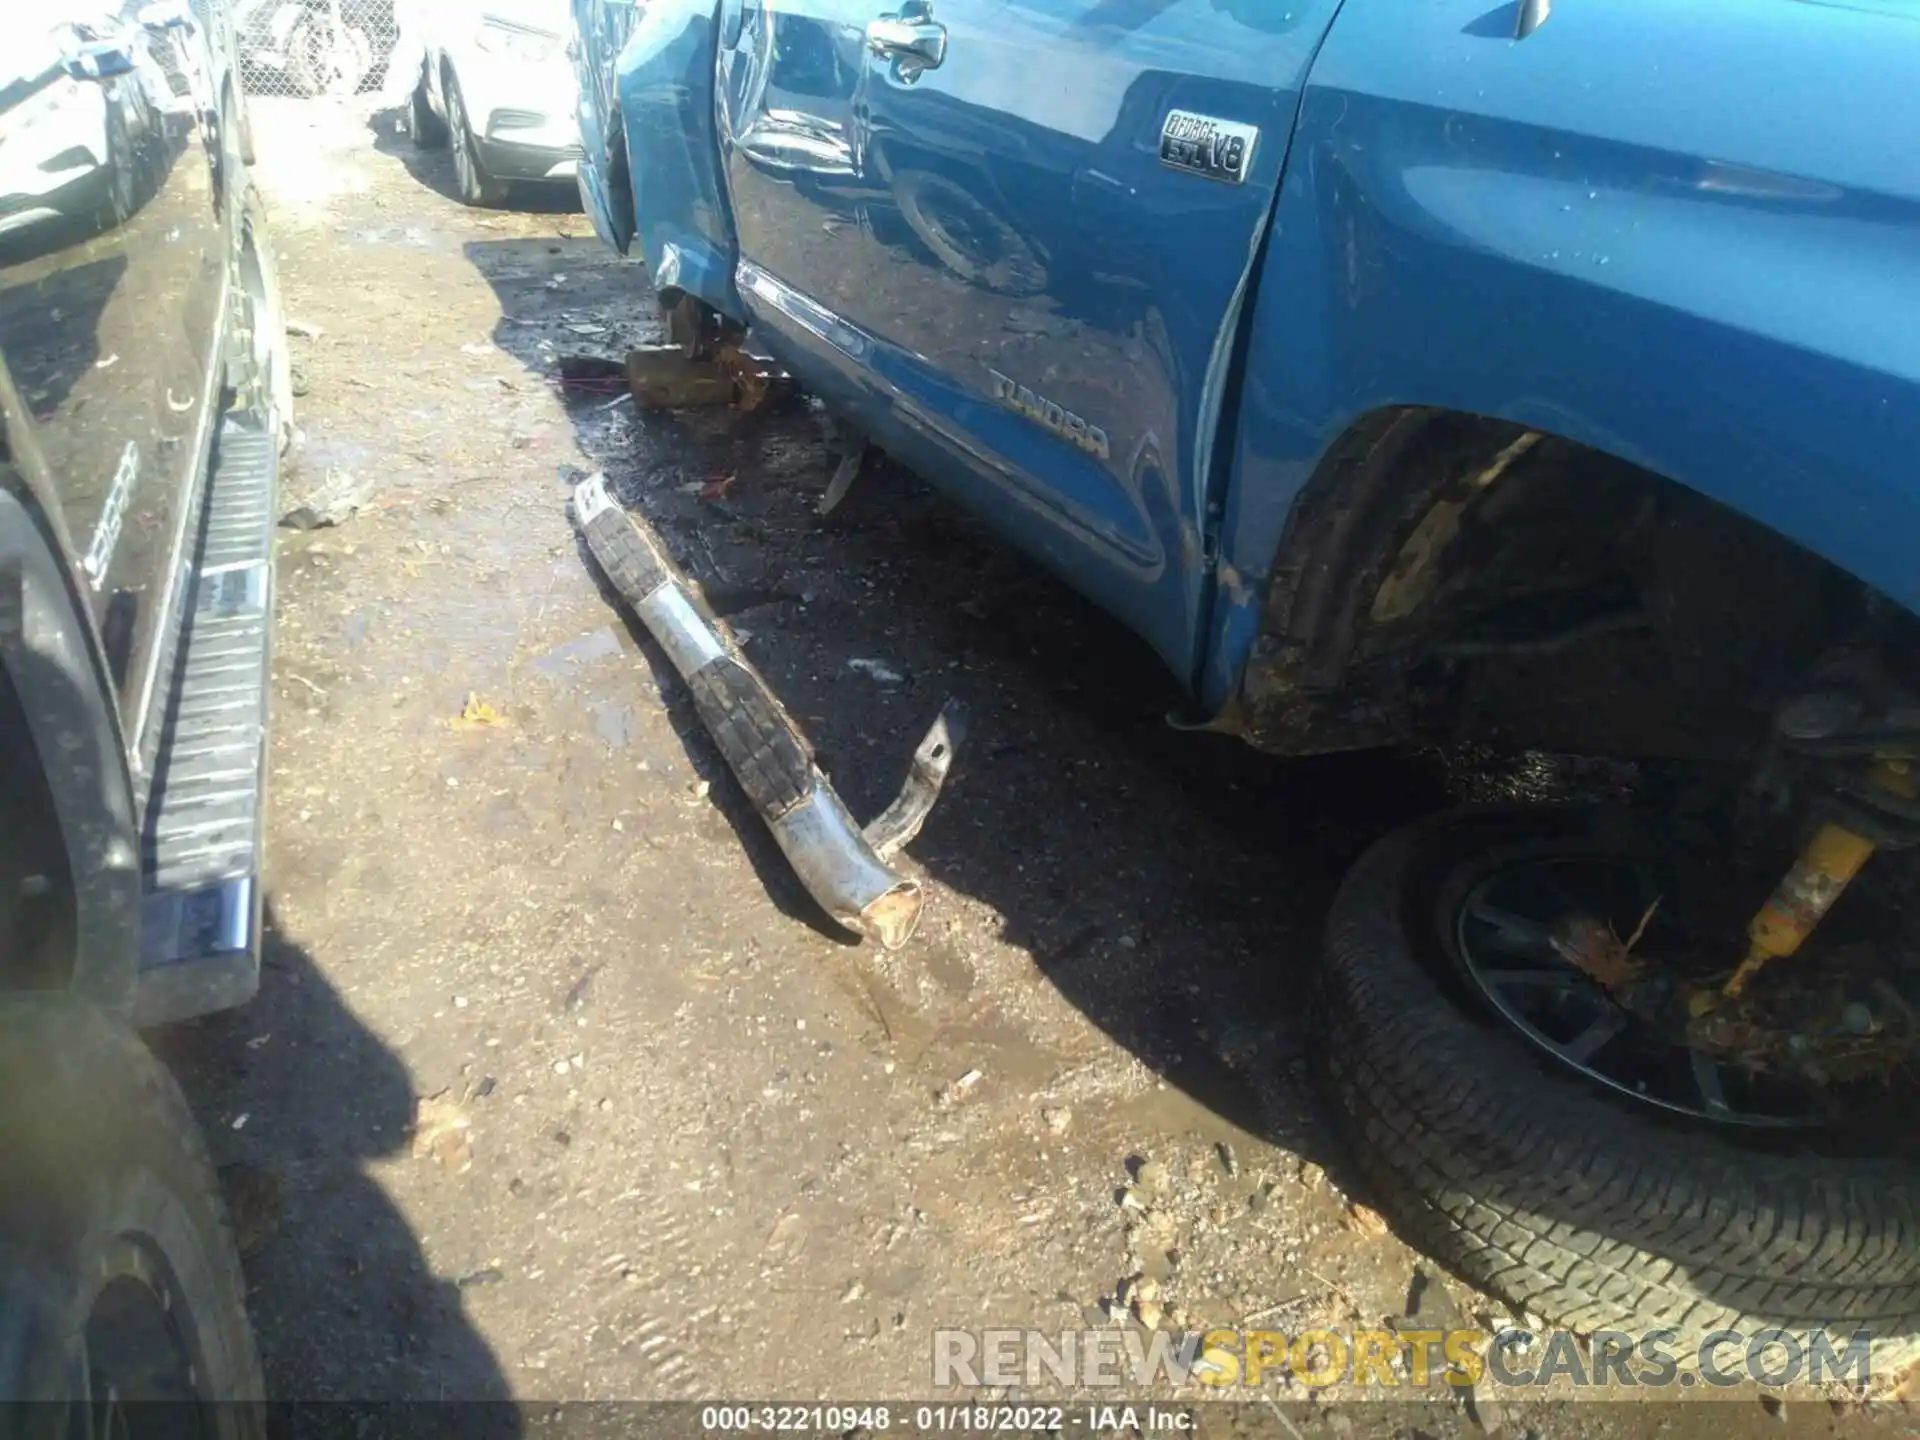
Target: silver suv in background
column 495, row 84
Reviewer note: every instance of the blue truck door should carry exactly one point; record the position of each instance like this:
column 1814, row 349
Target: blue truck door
column 1028, row 226
column 600, row 29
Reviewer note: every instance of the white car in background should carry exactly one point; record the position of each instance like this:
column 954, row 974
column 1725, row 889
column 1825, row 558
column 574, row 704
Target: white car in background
column 496, row 85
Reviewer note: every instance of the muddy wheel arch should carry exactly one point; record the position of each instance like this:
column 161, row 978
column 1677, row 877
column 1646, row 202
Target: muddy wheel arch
column 1448, row 576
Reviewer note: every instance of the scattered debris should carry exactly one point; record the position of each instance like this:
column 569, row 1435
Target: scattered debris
column 852, row 1293
column 1153, row 1178
column 716, row 488
column 303, row 329
column 1364, row 1219
column 1589, row 944
column 1228, row 1161
column 1057, row 1118
column 336, row 500
column 877, row 670
column 440, row 1132
column 1311, row 1176
column 476, row 714
column 490, row 1275
column 957, row 1090
column 753, row 379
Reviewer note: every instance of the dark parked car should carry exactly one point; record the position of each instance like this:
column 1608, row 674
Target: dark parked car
column 143, row 409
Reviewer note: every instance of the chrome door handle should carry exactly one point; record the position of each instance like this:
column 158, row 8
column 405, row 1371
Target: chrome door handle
column 913, row 37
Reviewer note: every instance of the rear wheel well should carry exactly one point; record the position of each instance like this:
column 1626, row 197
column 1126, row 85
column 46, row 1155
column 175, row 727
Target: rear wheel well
column 1448, row 576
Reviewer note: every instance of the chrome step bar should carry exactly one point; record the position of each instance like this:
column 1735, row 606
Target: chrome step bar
column 202, row 828
column 844, row 868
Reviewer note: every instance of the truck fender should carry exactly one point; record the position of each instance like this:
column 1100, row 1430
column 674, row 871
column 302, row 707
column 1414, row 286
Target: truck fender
column 54, row 659
column 1544, row 235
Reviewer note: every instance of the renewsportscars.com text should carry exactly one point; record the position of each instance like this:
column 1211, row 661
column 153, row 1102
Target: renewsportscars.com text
column 1516, row 1359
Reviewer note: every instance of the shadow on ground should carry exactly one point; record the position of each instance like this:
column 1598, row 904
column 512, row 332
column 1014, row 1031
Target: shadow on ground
column 297, row 1097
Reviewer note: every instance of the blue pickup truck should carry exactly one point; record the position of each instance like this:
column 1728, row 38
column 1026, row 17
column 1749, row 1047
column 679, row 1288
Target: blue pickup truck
column 1545, row 376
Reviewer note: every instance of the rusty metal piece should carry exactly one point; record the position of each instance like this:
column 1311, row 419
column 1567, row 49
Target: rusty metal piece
column 663, row 378
column 890, row 831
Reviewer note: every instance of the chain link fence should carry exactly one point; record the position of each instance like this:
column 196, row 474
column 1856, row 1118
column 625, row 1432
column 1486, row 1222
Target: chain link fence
column 317, row 47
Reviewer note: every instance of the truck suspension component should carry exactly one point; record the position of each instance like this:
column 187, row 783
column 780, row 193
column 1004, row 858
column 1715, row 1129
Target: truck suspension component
column 1820, row 876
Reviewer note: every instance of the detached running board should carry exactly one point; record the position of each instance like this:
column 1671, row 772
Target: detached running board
column 201, row 835
column 844, row 868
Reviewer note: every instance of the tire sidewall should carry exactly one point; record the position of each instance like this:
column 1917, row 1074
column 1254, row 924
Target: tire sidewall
column 102, row 1147
column 1574, row 1204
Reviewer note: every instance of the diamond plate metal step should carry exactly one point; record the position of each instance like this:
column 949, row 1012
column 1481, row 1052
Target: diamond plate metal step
column 200, row 923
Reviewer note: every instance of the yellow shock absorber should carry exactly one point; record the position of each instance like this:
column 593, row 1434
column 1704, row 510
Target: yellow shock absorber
column 1818, row 878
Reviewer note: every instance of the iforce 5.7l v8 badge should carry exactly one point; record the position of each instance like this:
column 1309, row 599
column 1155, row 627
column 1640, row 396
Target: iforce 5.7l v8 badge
column 1205, row 145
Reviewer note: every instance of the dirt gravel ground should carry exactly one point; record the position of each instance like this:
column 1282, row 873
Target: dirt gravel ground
column 557, row 1087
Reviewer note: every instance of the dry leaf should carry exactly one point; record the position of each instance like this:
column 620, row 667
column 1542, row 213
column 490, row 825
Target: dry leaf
column 440, row 1131
column 1591, row 946
column 1364, row 1220
column 476, row 713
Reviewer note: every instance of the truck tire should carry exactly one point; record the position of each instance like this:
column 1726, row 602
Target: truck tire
column 1587, row 1209
column 118, row 1271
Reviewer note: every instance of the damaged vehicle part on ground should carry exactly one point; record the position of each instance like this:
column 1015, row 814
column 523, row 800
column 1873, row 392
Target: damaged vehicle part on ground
column 1409, row 380
column 846, row 869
